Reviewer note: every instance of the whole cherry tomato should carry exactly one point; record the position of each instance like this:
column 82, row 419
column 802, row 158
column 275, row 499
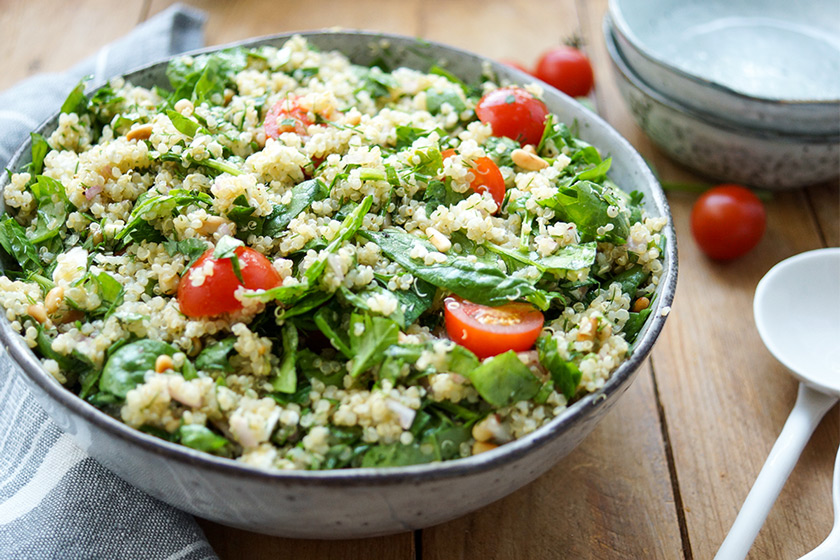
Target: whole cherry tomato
column 567, row 69
column 488, row 178
column 727, row 221
column 215, row 294
column 514, row 113
column 487, row 331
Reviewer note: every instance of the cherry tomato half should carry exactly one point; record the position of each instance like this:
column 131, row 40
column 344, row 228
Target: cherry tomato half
column 514, row 113
column 214, row 295
column 567, row 69
column 488, row 178
column 286, row 116
column 727, row 221
column 487, row 331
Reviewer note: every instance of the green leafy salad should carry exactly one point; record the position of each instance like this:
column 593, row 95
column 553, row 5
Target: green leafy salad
column 301, row 263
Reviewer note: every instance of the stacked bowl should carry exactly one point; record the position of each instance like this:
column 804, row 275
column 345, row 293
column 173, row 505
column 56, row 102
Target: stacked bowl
column 739, row 91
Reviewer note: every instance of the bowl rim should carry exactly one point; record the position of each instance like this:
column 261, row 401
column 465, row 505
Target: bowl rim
column 623, row 28
column 508, row 453
column 620, row 63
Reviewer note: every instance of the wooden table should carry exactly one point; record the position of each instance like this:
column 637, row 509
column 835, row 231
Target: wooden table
column 664, row 475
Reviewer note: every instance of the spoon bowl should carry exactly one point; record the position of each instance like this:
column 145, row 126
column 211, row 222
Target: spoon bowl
column 797, row 314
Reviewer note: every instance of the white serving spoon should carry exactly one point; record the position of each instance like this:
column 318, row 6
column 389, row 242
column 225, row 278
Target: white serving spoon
column 797, row 313
column 830, row 547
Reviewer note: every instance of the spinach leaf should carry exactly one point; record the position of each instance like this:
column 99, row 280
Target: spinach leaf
column 193, row 248
column 75, row 365
column 40, row 147
column 76, row 101
column 475, row 281
column 570, row 257
column 374, row 81
column 182, row 124
column 565, row 374
column 15, row 243
column 111, row 292
column 284, row 379
column 396, row 455
column 369, row 338
column 306, row 360
column 201, row 438
column 630, row 279
column 329, row 323
column 151, row 205
column 127, row 367
column 52, row 208
column 200, row 77
column 499, row 148
column 407, row 135
column 215, row 356
column 303, row 195
column 587, row 204
column 435, row 100
column 503, row 380
column 305, row 304
column 415, row 301
column 438, row 193
column 635, row 323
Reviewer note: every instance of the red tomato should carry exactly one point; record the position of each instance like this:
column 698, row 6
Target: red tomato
column 487, row 331
column 215, row 295
column 567, row 69
column 514, row 113
column 488, row 178
column 286, row 116
column 727, row 221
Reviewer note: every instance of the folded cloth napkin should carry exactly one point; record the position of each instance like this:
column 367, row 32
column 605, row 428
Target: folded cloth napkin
column 55, row 500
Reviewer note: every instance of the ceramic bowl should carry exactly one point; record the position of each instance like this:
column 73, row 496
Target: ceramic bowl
column 765, row 65
column 721, row 149
column 367, row 501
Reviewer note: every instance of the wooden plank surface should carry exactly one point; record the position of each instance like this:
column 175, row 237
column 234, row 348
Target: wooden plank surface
column 663, row 476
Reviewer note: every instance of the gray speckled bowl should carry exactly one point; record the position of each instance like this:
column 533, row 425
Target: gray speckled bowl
column 721, row 149
column 768, row 65
column 359, row 502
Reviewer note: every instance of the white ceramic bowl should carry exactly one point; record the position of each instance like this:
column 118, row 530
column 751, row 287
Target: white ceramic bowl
column 369, row 501
column 720, row 149
column 771, row 65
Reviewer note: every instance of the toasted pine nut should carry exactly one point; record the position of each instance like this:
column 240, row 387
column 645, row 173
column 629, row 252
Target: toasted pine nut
column 641, row 304
column 605, row 332
column 141, row 132
column 481, row 430
column 68, row 316
column 482, row 446
column 528, row 161
column 352, row 117
column 37, row 312
column 163, row 363
column 53, row 300
column 211, row 224
column 228, row 95
column 588, row 329
column 185, row 107
column 440, row 241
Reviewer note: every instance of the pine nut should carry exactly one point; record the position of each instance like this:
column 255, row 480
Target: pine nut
column 482, row 446
column 641, row 304
column 528, row 161
column 37, row 312
column 587, row 330
column 141, row 132
column 440, row 241
column 530, row 149
column 53, row 300
column 185, row 107
column 210, row 225
column 163, row 363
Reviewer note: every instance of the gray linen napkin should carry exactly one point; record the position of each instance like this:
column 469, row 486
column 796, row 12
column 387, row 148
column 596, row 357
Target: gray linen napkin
column 55, row 500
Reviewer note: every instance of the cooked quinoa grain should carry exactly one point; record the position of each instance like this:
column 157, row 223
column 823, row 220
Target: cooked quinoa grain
column 301, row 263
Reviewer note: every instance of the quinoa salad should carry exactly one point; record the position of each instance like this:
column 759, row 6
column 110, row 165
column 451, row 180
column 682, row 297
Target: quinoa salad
column 297, row 262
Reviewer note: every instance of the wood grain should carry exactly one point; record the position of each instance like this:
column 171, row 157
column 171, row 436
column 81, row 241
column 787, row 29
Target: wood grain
column 74, row 30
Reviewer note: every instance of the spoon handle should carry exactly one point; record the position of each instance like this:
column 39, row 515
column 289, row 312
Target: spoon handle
column 830, row 547
column 809, row 409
